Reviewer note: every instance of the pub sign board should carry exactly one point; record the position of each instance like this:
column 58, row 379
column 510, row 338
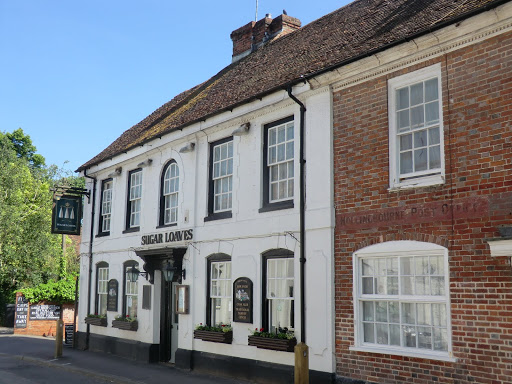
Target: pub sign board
column 113, row 289
column 21, row 312
column 67, row 215
column 45, row 312
column 242, row 300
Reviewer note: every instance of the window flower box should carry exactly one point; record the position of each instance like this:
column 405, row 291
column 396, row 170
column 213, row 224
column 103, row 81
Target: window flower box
column 127, row 325
column 213, row 336
column 100, row 321
column 286, row 345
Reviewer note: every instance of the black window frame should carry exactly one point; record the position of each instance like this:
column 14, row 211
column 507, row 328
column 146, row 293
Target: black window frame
column 280, row 253
column 127, row 264
column 213, row 258
column 267, row 206
column 216, row 215
column 128, row 228
column 101, row 232
column 161, row 214
column 101, row 264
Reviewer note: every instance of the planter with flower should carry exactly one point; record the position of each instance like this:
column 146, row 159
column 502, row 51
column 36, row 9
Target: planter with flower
column 125, row 322
column 95, row 319
column 281, row 340
column 218, row 334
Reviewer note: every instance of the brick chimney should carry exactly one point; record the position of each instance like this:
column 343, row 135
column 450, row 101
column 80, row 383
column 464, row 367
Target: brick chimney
column 253, row 35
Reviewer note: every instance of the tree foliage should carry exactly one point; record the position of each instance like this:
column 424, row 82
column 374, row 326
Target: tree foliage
column 29, row 253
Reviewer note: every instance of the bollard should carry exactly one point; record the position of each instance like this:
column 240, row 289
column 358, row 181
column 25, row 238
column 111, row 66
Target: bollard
column 58, row 338
column 301, row 364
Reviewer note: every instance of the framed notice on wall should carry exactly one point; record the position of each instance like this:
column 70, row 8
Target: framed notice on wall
column 181, row 299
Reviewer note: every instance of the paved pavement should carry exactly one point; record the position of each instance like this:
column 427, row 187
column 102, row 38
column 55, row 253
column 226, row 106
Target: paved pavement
column 23, row 357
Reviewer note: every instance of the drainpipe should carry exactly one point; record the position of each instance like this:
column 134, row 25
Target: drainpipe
column 91, row 239
column 301, row 349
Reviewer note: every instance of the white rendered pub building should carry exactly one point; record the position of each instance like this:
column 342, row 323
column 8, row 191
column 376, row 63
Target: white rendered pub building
column 195, row 219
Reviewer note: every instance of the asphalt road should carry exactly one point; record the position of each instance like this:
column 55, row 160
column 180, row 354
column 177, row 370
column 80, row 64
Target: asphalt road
column 29, row 360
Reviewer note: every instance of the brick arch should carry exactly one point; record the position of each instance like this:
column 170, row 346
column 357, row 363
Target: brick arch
column 412, row 236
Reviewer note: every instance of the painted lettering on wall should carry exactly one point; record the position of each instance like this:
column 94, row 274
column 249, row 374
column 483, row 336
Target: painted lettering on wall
column 412, row 214
column 167, row 237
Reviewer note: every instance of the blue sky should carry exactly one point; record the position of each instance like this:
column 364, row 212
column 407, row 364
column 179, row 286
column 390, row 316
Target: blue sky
column 74, row 75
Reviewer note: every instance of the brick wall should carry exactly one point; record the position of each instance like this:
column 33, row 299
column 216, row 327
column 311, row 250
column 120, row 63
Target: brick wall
column 45, row 327
column 477, row 108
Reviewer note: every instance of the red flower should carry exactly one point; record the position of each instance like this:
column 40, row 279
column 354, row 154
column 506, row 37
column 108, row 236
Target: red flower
column 200, row 323
column 261, row 329
column 127, row 315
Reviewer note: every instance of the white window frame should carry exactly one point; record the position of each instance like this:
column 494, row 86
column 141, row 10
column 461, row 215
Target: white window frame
column 102, row 288
column 131, row 290
column 226, row 281
column 276, row 164
column 171, row 190
column 279, row 280
column 400, row 249
column 419, row 178
column 221, row 177
column 135, row 197
column 106, row 206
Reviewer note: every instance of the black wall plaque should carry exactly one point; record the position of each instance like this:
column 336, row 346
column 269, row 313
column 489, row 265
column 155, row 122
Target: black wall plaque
column 113, row 289
column 69, row 330
column 242, row 300
column 21, row 312
column 45, row 312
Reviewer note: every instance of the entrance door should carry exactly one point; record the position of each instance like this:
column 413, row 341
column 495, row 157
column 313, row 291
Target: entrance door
column 168, row 323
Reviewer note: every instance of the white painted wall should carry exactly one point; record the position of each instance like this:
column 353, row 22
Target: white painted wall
column 244, row 237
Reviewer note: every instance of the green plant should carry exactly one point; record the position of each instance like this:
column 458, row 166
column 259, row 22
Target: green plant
column 60, row 291
column 280, row 333
column 126, row 318
column 96, row 316
column 220, row 328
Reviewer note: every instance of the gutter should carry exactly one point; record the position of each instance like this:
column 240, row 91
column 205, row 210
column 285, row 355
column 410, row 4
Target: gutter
column 302, row 217
column 296, row 81
column 91, row 239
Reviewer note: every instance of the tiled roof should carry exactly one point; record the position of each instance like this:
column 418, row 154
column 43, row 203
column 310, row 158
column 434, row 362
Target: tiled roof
column 359, row 28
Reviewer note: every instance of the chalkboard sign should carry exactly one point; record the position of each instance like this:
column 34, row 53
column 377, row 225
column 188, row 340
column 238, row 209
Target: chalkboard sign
column 21, row 312
column 68, row 333
column 242, row 300
column 45, row 312
column 113, row 288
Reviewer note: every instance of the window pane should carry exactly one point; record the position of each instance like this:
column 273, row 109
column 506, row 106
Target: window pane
column 420, row 139
column 367, row 267
column 440, row 339
column 424, row 314
column 420, row 160
column 381, row 311
column 392, row 285
column 405, row 142
column 280, row 134
column 437, row 285
column 367, row 285
column 281, row 314
column 368, row 311
column 431, row 92
column 432, row 112
column 394, row 312
column 405, row 162
column 407, row 285
column 381, row 285
column 289, row 150
column 394, row 334
column 382, row 333
column 403, row 120
column 272, row 136
column 409, row 313
column 369, row 336
column 439, row 315
column 435, row 157
column 280, row 152
column 289, row 131
column 402, row 98
column 425, row 337
column 417, row 94
column 421, row 286
column 417, row 118
column 409, row 336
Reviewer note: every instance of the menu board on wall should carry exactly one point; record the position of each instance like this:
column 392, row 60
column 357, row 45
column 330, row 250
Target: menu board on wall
column 242, row 300
column 113, row 288
column 45, row 312
column 21, row 312
column 69, row 330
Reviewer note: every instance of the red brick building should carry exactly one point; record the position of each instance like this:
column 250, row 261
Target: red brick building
column 423, row 184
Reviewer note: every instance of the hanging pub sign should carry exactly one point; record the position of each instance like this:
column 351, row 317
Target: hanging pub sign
column 242, row 300
column 67, row 215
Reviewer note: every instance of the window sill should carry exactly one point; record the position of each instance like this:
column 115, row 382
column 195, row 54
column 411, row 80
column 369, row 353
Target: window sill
column 134, row 229
column 218, row 216
column 167, row 225
column 276, row 206
column 422, row 182
column 103, row 234
column 400, row 352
